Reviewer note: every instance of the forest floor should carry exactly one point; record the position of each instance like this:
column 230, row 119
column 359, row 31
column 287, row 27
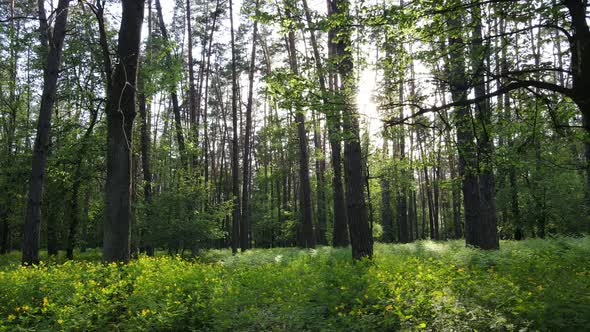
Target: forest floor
column 438, row 286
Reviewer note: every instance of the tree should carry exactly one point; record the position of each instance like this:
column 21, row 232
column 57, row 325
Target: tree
column 340, row 230
column 52, row 42
column 245, row 222
column 234, row 155
column 307, row 238
column 120, row 111
column 361, row 238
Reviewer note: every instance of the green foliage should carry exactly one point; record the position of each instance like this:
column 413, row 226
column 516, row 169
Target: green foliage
column 175, row 220
column 533, row 284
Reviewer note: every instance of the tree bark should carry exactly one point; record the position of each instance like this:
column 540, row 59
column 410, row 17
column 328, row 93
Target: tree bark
column 340, row 231
column 386, row 215
column 52, row 44
column 465, row 136
column 245, row 222
column 361, row 238
column 120, row 113
column 234, row 158
column 307, row 239
column 486, row 236
column 173, row 95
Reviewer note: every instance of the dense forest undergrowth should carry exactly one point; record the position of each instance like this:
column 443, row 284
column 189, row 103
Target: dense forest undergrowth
column 532, row 285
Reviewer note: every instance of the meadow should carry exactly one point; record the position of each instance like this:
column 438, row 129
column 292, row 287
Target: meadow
column 423, row 286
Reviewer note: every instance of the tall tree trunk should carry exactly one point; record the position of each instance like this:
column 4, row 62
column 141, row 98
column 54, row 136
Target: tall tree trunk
column 580, row 68
column 465, row 135
column 340, row 231
column 52, row 43
column 307, row 232
column 361, row 238
column 386, row 215
column 120, row 113
column 234, row 155
column 173, row 95
column 320, row 165
column 245, row 222
column 191, row 77
column 402, row 205
column 206, row 108
column 456, row 196
column 486, row 236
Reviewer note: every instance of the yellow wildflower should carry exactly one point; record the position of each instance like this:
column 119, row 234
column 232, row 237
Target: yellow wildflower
column 45, row 302
column 11, row 317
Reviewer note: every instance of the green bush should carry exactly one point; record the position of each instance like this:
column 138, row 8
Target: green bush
column 533, row 285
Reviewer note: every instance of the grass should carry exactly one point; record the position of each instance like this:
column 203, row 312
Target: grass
column 438, row 286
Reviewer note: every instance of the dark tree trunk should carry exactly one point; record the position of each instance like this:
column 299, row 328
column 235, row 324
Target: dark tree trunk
column 307, row 239
column 205, row 110
column 486, row 236
column 361, row 238
column 191, row 76
column 340, row 231
column 386, row 215
column 52, row 43
column 465, row 136
column 245, row 224
column 120, row 113
column 234, row 156
column 173, row 95
column 456, row 196
column 580, row 63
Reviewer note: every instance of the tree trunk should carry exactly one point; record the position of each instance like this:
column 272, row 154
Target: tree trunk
column 52, row 43
column 173, row 95
column 245, row 225
column 234, row 155
column 191, row 75
column 120, row 113
column 465, row 135
column 320, row 165
column 361, row 238
column 340, row 231
column 307, row 239
column 386, row 215
column 486, row 236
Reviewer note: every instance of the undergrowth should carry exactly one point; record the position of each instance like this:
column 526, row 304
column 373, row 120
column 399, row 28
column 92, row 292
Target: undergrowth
column 438, row 286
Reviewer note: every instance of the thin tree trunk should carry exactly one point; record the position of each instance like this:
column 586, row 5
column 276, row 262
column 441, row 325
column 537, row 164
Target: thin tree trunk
column 245, row 225
column 340, row 236
column 307, row 235
column 173, row 95
column 386, row 215
column 234, row 157
column 191, row 75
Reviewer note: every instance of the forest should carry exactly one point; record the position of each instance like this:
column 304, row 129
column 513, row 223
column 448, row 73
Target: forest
column 337, row 165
